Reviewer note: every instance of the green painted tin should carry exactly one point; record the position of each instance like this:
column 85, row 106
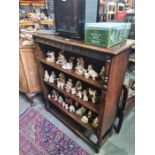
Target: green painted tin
column 106, row 34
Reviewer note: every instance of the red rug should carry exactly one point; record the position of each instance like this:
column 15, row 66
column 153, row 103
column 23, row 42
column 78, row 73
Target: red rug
column 38, row 136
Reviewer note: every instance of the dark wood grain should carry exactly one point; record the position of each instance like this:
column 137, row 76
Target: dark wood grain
column 87, row 104
column 64, row 41
column 116, row 76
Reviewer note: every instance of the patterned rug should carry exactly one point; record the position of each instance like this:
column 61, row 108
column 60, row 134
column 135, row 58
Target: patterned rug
column 38, row 136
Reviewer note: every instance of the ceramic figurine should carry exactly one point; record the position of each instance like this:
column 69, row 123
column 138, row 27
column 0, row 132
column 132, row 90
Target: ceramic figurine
column 71, row 108
column 95, row 122
column 79, row 94
column 46, row 76
column 49, row 96
column 93, row 74
column 61, row 81
column 84, row 119
column 81, row 111
column 55, row 95
column 85, row 97
column 86, row 74
column 52, row 77
column 50, row 56
column 61, row 59
column 69, row 85
column 89, row 115
column 79, row 69
column 102, row 73
column 65, row 105
column 78, row 85
column 73, row 90
column 69, row 64
column 60, row 100
column 93, row 95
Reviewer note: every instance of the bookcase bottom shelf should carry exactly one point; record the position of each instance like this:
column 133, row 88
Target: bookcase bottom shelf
column 79, row 130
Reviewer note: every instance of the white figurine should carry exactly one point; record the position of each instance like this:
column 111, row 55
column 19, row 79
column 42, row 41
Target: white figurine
column 93, row 95
column 79, row 94
column 51, row 57
column 93, row 74
column 86, row 74
column 46, row 76
column 79, row 69
column 60, row 100
column 61, row 81
column 61, row 59
column 73, row 90
column 89, row 114
column 55, row 95
column 95, row 122
column 65, row 105
column 49, row 96
column 71, row 108
column 85, row 97
column 52, row 77
column 81, row 111
column 69, row 85
column 69, row 64
column 84, row 119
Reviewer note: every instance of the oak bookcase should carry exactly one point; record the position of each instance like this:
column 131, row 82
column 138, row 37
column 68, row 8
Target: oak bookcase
column 108, row 109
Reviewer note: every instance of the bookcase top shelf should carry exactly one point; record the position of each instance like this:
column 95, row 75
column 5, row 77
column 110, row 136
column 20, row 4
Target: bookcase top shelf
column 115, row 50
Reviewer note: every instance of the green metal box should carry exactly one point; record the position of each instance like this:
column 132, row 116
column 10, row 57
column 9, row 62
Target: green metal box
column 106, row 34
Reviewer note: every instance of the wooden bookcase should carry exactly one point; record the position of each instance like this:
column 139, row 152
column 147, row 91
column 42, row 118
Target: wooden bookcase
column 115, row 60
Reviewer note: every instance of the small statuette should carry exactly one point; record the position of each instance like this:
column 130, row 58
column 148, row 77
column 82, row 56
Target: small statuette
column 93, row 74
column 73, row 90
column 52, row 77
column 81, row 111
column 55, row 95
column 61, row 81
column 102, row 73
column 79, row 69
column 65, row 105
column 61, row 59
column 95, row 122
column 79, row 94
column 92, row 95
column 89, row 115
column 78, row 85
column 71, row 108
column 69, row 85
column 84, row 119
column 50, row 57
column 69, row 64
column 60, row 100
column 49, row 96
column 86, row 74
column 85, row 97
column 46, row 76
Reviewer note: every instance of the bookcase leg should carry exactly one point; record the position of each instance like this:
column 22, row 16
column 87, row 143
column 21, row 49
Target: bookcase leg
column 30, row 98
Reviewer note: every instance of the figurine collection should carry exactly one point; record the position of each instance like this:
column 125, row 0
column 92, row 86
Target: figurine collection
column 74, row 87
column 74, row 107
column 89, row 94
column 80, row 67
